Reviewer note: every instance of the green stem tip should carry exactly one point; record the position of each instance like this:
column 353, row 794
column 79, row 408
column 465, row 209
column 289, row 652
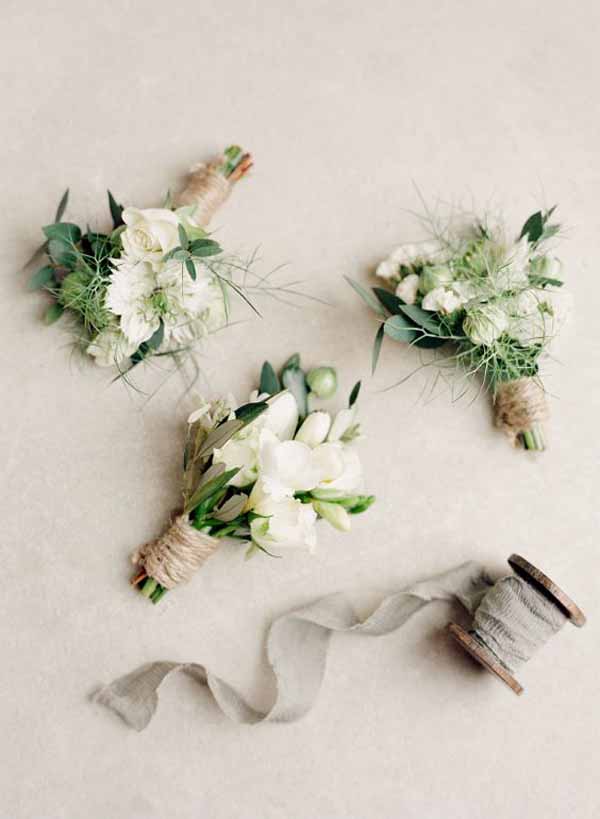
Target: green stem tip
column 533, row 439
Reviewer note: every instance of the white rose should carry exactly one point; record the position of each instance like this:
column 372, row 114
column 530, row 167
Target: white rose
column 442, row 300
column 387, row 270
column 485, row 324
column 286, row 524
column 150, row 233
column 314, row 429
column 408, row 288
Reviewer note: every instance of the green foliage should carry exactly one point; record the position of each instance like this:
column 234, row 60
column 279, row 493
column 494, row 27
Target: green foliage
column 53, row 313
column 354, row 394
column 249, row 412
column 269, row 382
column 44, row 277
column 116, row 211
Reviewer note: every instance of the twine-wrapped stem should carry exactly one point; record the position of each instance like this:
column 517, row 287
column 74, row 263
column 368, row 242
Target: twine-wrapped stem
column 172, row 558
column 520, row 410
column 209, row 185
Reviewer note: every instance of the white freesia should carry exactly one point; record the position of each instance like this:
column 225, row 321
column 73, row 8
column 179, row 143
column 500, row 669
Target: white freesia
column 211, row 413
column 111, row 347
column 314, row 429
column 485, row 324
column 285, row 523
column 334, row 513
column 408, row 288
column 287, row 466
column 149, row 234
column 342, row 424
column 443, row 300
column 339, row 467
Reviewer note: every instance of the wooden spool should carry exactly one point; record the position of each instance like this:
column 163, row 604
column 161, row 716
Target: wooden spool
column 541, row 583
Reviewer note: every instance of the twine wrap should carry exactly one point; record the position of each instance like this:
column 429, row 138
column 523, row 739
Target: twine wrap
column 519, row 405
column 207, row 189
column 177, row 554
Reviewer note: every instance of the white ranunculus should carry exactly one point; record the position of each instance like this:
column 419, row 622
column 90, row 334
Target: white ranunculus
column 435, row 276
column 443, row 300
column 342, row 423
column 111, row 347
column 285, row 524
column 143, row 295
column 408, row 288
column 314, row 429
column 334, row 513
column 339, row 467
column 409, row 254
column 387, row 270
column 149, row 234
column 485, row 324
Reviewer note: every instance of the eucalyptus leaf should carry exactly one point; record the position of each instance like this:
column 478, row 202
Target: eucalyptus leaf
column 401, row 329
column 191, row 268
column 354, row 394
column 391, row 302
column 423, row 318
column 183, row 238
column 66, row 232
column 43, row 277
column 248, row 412
column 293, row 361
column 205, row 247
column 156, row 339
column 53, row 313
column 377, row 347
column 62, row 206
column 366, row 296
column 219, row 436
column 116, row 211
column 269, row 382
column 62, row 253
column 212, row 472
column 533, row 227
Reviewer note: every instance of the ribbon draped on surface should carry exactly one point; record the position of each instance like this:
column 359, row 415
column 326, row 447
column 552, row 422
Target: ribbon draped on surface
column 297, row 645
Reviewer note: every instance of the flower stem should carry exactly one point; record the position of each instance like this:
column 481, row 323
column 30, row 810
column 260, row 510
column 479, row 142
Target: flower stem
column 533, row 439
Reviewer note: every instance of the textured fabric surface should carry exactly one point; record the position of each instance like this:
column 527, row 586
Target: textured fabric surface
column 297, row 649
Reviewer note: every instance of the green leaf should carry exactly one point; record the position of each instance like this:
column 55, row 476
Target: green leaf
column 43, row 277
column 269, row 382
column 116, row 211
column 232, row 508
column 391, row 302
column 156, row 339
column 354, row 394
column 533, row 227
column 401, row 329
column 183, row 238
column 191, row 268
column 205, row 247
column 210, row 488
column 377, row 347
column 62, row 206
column 293, row 361
column 53, row 313
column 423, row 318
column 544, row 281
column 65, row 232
column 294, row 380
column 430, row 342
column 248, row 412
column 219, row 436
column 61, row 253
column 365, row 295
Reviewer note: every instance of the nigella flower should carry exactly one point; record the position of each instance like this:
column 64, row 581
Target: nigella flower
column 143, row 295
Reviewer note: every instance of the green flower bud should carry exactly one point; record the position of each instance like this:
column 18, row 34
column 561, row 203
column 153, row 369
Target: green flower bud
column 334, row 514
column 322, row 381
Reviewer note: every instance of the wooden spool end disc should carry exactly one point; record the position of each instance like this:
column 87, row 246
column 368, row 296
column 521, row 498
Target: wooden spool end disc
column 542, row 583
column 484, row 657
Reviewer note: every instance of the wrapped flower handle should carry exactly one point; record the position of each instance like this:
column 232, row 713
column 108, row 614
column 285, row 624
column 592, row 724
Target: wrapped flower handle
column 520, row 409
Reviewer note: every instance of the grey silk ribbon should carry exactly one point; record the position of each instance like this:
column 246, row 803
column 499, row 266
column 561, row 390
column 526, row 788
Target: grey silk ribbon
column 297, row 647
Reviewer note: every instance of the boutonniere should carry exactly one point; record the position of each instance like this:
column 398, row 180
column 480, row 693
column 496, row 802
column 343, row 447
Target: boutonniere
column 480, row 305
column 155, row 284
column 261, row 474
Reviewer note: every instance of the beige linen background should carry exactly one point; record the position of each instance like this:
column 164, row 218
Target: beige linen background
column 344, row 105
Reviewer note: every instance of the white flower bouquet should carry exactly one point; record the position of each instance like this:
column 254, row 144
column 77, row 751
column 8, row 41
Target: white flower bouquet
column 493, row 299
column 261, row 474
column 156, row 283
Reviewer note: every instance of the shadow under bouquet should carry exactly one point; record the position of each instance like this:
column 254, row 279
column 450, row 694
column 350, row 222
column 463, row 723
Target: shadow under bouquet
column 482, row 306
column 260, row 475
column 156, row 283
